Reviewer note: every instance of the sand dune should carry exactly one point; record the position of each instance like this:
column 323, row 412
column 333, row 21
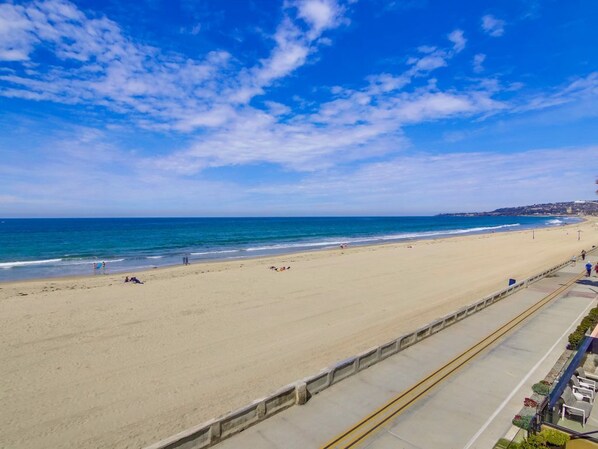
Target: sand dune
column 96, row 363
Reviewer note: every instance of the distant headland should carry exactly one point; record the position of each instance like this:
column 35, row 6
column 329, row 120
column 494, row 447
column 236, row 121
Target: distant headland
column 565, row 208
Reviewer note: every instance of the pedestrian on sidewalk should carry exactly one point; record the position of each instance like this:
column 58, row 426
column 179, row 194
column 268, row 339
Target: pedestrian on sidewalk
column 589, row 269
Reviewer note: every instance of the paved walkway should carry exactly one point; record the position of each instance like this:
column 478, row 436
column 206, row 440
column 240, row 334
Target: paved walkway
column 472, row 409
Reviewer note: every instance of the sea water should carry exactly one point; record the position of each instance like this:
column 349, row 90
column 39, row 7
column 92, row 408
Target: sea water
column 39, row 248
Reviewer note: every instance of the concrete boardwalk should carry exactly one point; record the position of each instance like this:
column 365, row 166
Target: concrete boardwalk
column 473, row 408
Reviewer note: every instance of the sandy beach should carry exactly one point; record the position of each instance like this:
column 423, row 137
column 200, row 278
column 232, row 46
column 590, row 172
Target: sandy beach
column 96, row 363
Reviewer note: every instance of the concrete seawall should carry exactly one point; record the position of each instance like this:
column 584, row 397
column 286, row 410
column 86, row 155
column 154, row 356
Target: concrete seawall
column 210, row 433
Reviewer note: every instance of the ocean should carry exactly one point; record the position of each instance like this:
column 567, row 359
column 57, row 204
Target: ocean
column 41, row 248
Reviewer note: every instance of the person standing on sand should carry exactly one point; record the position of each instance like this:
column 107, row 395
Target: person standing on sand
column 589, row 269
column 583, row 254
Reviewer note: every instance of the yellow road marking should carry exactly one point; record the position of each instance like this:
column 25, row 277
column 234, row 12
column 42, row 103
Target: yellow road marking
column 366, row 427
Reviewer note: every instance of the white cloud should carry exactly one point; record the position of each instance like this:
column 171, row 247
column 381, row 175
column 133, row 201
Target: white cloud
column 426, row 49
column 99, row 64
column 210, row 118
column 356, row 125
column 413, row 182
column 67, row 179
column 276, row 108
column 16, row 37
column 579, row 89
column 353, row 125
column 384, row 82
column 424, row 183
column 166, row 91
column 434, row 105
column 290, row 52
column 458, row 40
column 196, row 29
column 493, row 26
column 293, row 45
column 430, row 62
column 320, row 14
column 478, row 61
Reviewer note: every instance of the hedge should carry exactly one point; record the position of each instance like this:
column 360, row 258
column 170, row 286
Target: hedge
column 589, row 322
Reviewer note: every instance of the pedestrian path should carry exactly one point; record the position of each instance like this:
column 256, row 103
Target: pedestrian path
column 471, row 409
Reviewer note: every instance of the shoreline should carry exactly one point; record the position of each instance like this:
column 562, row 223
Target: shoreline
column 407, row 240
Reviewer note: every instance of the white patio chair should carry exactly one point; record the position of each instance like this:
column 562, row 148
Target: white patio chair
column 580, row 391
column 586, row 378
column 573, row 407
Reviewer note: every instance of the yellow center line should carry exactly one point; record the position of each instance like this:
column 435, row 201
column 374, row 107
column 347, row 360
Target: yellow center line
column 367, row 426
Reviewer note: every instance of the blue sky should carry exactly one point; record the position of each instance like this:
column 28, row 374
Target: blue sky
column 306, row 107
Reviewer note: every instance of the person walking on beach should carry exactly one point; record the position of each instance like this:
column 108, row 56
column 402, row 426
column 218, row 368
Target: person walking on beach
column 589, row 269
column 583, row 254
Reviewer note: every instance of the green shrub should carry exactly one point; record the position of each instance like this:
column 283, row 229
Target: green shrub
column 589, row 322
column 533, row 442
column 541, row 388
column 544, row 439
column 522, row 421
column 503, row 443
column 586, row 323
column 555, row 437
column 575, row 339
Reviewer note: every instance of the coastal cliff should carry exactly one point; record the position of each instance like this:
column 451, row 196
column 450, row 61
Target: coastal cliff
column 565, row 208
